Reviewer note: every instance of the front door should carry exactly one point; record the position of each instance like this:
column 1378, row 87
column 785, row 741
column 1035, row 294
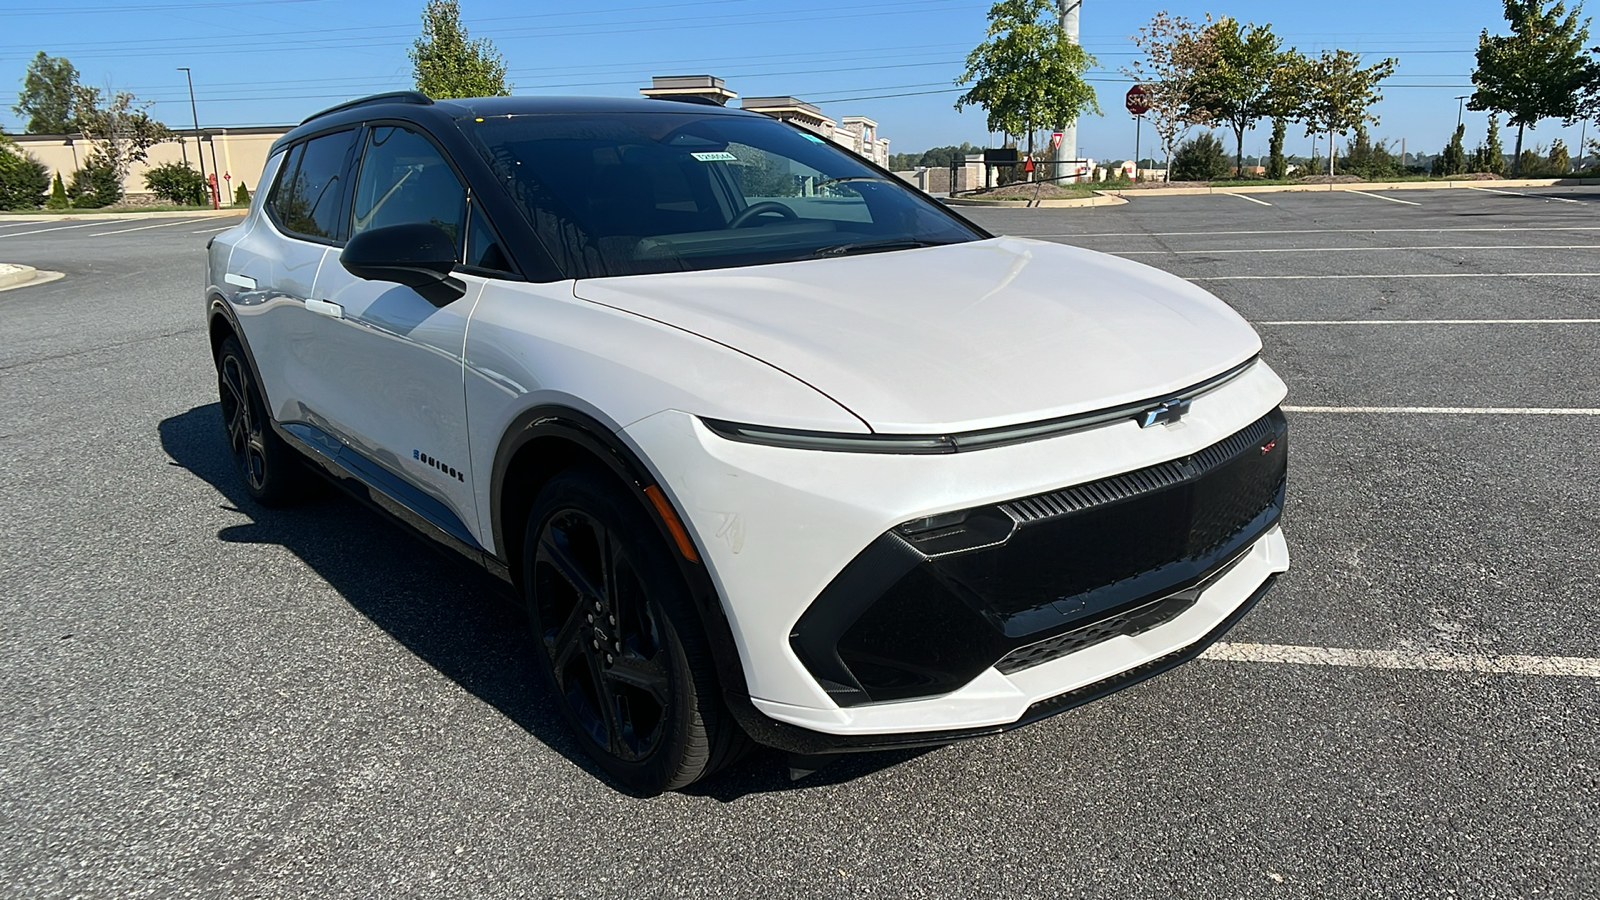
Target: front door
column 392, row 385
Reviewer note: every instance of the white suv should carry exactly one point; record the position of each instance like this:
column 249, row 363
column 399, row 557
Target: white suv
column 772, row 446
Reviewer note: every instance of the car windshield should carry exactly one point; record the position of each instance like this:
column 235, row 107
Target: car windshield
column 638, row 193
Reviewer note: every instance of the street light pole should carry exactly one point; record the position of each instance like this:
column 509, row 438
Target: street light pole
column 1460, row 104
column 199, row 150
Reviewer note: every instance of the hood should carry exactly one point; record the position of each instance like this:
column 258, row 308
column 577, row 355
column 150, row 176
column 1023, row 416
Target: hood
column 959, row 337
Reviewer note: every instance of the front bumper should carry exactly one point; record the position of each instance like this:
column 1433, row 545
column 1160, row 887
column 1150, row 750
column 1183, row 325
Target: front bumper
column 780, row 528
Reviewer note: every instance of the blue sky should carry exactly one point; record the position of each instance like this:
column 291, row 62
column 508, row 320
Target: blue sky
column 275, row 61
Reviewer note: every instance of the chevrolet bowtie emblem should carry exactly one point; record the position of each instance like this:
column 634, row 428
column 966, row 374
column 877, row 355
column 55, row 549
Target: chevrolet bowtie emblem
column 1164, row 413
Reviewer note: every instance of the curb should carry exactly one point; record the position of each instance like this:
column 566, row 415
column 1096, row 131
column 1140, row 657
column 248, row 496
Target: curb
column 1101, row 198
column 1362, row 186
column 16, row 274
column 131, row 214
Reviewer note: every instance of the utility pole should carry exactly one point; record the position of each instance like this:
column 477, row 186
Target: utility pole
column 1461, row 103
column 1068, row 149
column 199, row 150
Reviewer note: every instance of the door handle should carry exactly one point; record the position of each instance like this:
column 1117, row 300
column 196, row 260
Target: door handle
column 324, row 308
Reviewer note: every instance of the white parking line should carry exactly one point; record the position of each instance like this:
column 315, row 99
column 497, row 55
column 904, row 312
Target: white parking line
column 1452, row 410
column 209, row 230
column 1401, row 275
column 1352, row 249
column 1431, row 322
column 1382, row 197
column 148, row 227
column 22, row 223
column 1559, row 666
column 1243, row 197
column 1528, row 196
column 12, row 234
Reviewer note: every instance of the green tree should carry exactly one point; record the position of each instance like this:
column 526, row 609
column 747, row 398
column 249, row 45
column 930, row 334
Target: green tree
column 1490, row 156
column 1277, row 164
column 95, row 185
column 1174, row 50
column 1559, row 162
column 119, row 128
column 49, row 92
column 23, row 179
column 177, row 182
column 1339, row 93
column 241, row 195
column 1453, row 160
column 1201, row 158
column 1027, row 73
column 1539, row 71
column 1245, row 78
column 58, row 195
column 448, row 63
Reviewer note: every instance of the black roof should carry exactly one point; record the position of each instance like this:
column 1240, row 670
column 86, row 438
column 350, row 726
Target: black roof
column 414, row 106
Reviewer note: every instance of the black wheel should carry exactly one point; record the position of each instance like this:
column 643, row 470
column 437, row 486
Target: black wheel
column 269, row 468
column 619, row 643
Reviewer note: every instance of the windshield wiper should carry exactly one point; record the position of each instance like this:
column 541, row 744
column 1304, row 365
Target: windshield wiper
column 874, row 246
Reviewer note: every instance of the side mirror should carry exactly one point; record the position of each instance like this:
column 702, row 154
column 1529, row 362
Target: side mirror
column 417, row 255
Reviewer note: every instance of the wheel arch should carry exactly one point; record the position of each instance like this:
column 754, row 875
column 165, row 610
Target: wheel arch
column 546, row 440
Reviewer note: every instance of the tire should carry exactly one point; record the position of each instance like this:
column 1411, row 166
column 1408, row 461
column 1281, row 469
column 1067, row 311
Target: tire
column 270, row 469
column 617, row 640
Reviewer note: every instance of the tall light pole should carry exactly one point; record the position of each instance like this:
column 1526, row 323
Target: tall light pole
column 1461, row 103
column 1068, row 148
column 199, row 149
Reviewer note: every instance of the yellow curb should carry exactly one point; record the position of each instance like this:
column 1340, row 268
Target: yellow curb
column 16, row 273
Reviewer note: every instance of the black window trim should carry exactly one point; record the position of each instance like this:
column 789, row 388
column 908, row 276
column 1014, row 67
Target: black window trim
column 346, row 174
column 468, row 205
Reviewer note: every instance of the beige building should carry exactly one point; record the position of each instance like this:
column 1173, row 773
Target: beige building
column 240, row 154
column 857, row 134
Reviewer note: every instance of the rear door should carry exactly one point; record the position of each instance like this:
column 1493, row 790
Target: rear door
column 389, row 361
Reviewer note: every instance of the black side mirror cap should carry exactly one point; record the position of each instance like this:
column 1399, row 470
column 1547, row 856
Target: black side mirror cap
column 417, row 255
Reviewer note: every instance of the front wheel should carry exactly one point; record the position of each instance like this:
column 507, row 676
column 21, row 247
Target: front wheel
column 618, row 642
column 271, row 472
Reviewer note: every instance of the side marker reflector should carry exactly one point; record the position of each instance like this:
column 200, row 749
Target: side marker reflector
column 680, row 535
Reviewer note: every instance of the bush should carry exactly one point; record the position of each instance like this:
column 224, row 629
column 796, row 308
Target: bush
column 95, row 185
column 58, row 195
column 241, row 196
column 177, row 183
column 1201, row 158
column 23, row 180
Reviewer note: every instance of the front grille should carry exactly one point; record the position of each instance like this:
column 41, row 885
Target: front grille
column 1083, row 564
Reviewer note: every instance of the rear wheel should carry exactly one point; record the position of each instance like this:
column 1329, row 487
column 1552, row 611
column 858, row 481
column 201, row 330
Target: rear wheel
column 271, row 471
column 619, row 644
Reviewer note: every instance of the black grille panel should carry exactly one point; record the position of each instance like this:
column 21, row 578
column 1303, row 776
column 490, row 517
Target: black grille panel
column 1084, row 564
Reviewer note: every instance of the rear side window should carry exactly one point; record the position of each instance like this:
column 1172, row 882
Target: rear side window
column 404, row 180
column 309, row 195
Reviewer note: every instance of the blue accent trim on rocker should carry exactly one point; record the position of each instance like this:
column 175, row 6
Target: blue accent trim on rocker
column 378, row 478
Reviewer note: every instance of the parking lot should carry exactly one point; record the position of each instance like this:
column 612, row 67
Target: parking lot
column 203, row 698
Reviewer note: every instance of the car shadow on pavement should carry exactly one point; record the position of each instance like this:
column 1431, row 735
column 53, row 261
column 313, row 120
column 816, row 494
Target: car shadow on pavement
column 461, row 621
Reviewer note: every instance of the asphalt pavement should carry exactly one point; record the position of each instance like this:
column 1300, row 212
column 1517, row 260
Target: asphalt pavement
column 202, row 698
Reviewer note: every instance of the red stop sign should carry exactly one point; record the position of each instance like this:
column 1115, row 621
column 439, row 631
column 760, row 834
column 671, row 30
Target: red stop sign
column 1138, row 99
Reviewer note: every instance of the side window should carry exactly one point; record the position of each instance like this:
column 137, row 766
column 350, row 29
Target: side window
column 309, row 195
column 404, row 180
column 483, row 245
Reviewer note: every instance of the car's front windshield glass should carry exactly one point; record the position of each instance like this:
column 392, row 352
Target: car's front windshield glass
column 636, row 193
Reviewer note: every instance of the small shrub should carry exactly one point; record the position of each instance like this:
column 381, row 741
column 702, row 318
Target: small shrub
column 95, row 185
column 176, row 183
column 241, row 196
column 1277, row 164
column 23, row 180
column 1201, row 158
column 58, row 195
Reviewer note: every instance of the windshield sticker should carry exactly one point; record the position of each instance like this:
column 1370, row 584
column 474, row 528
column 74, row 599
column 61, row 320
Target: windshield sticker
column 717, row 156
column 812, row 138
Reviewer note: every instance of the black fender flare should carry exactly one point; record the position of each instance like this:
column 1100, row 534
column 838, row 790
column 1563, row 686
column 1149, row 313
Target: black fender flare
column 601, row 442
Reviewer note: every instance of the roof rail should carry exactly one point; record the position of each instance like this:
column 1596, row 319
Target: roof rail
column 414, row 97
